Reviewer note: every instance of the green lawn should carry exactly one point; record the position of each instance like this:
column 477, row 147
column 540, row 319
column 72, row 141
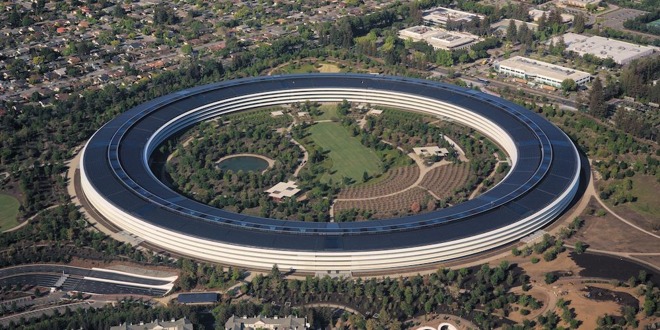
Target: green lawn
column 348, row 156
column 329, row 111
column 8, row 212
column 646, row 188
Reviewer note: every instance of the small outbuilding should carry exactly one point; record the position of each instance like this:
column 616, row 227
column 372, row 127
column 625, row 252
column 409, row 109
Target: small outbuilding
column 431, row 151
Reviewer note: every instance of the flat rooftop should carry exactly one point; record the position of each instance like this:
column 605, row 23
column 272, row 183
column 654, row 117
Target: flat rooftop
column 620, row 51
column 283, row 189
column 536, row 14
column 437, row 37
column 534, row 67
column 431, row 151
column 440, row 15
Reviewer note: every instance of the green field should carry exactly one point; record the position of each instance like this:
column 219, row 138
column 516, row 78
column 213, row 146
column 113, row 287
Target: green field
column 646, row 188
column 329, row 111
column 8, row 212
column 348, row 156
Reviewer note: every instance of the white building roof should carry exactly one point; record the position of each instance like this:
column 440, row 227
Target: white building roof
column 538, row 68
column 283, row 189
column 431, row 151
column 277, row 113
column 619, row 51
column 440, row 15
column 439, row 38
column 537, row 13
column 260, row 322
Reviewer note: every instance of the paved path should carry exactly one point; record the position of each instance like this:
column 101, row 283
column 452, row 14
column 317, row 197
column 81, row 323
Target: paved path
column 332, row 305
column 621, row 218
column 304, row 160
column 22, row 224
column 548, row 304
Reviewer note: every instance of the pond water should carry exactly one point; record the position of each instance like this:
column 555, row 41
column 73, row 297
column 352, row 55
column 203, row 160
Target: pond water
column 245, row 163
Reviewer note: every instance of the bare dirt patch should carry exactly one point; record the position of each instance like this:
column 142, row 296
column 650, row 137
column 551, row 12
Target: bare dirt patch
column 654, row 260
column 610, row 234
column 326, row 67
column 124, row 266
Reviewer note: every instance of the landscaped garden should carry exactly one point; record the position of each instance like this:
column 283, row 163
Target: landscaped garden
column 356, row 159
column 8, row 212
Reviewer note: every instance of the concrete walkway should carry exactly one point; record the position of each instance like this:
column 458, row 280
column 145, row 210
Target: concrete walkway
column 332, row 305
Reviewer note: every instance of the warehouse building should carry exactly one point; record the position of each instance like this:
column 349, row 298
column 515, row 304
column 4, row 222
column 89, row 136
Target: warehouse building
column 540, row 72
column 619, row 51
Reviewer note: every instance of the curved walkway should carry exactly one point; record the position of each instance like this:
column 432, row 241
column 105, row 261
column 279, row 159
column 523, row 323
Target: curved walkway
column 548, row 304
column 622, row 219
column 333, row 305
column 304, row 160
column 22, row 224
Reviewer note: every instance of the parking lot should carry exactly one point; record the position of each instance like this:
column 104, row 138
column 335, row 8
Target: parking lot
column 615, row 19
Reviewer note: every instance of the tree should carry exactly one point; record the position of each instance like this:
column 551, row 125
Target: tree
column 550, row 278
column 597, row 106
column 187, row 49
column 275, row 272
column 343, row 107
column 649, row 306
column 578, row 23
column 415, row 207
column 512, row 31
column 580, row 247
column 568, row 85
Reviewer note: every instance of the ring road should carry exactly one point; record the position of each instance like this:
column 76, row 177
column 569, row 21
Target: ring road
column 118, row 182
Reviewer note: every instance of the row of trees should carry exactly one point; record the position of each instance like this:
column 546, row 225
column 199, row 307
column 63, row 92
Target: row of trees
column 395, row 300
column 642, row 23
column 128, row 311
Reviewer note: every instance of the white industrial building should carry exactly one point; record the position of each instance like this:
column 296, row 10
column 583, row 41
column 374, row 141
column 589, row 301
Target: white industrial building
column 439, row 38
column 536, row 15
column 441, row 15
column 541, row 72
column 619, row 51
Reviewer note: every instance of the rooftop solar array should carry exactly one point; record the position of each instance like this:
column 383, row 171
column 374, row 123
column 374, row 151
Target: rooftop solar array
column 114, row 156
